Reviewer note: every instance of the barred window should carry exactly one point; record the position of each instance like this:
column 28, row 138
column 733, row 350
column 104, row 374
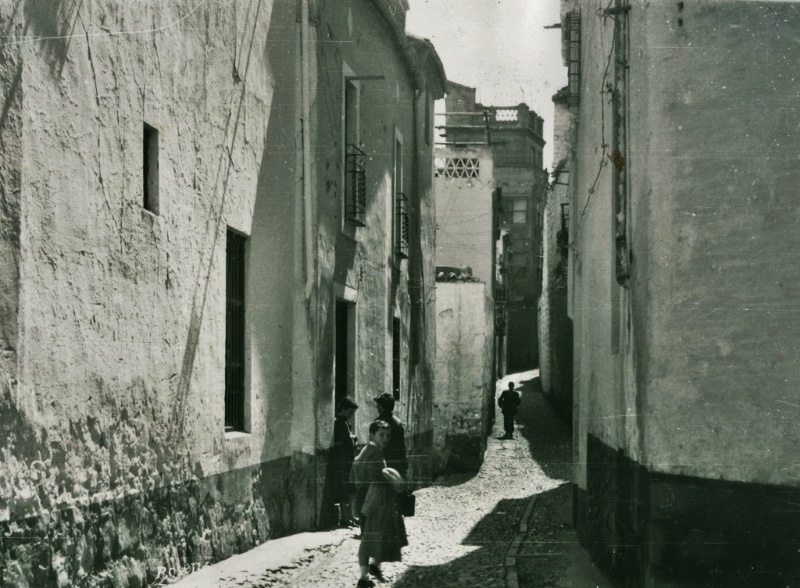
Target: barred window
column 574, row 62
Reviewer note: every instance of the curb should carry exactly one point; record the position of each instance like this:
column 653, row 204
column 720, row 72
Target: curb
column 512, row 577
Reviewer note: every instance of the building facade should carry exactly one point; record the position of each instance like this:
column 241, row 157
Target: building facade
column 514, row 134
column 463, row 404
column 682, row 243
column 211, row 218
column 468, row 337
column 555, row 325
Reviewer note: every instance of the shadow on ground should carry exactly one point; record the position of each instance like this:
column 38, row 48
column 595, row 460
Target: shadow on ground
column 485, row 565
column 547, row 435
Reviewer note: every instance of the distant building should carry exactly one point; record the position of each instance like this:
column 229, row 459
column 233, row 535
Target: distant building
column 683, row 278
column 514, row 134
column 210, row 232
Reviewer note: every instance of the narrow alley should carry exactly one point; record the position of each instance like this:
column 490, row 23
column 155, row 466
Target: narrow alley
column 508, row 525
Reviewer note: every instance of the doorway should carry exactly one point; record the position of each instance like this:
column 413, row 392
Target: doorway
column 345, row 356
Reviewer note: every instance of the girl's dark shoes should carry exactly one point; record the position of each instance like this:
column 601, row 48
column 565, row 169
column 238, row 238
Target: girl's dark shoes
column 365, row 583
column 376, row 573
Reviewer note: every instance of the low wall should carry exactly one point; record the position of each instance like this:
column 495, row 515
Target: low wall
column 465, row 340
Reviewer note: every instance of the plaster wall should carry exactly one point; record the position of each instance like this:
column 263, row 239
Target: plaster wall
column 465, row 213
column 114, row 342
column 362, row 261
column 602, row 407
column 722, row 217
column 694, row 361
column 464, row 333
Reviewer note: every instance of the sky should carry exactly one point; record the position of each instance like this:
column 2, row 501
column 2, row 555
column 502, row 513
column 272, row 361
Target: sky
column 499, row 47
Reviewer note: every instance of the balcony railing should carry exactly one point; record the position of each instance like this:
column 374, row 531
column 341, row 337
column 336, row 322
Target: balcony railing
column 355, row 185
column 402, row 237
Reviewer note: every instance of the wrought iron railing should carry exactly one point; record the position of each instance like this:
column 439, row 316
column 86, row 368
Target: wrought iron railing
column 355, row 185
column 403, row 228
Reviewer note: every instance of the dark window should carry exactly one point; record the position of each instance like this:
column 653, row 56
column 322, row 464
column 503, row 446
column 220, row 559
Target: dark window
column 234, row 333
column 396, row 358
column 344, row 365
column 150, row 169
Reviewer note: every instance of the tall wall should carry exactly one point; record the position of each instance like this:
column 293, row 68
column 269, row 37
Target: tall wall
column 464, row 381
column 465, row 212
column 684, row 377
column 360, row 264
column 555, row 325
column 115, row 460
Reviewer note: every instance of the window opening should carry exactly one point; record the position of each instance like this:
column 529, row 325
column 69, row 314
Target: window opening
column 234, row 332
column 150, row 169
column 396, row 358
column 520, row 211
column 355, row 183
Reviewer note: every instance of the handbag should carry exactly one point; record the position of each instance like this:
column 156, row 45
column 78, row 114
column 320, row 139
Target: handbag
column 408, row 504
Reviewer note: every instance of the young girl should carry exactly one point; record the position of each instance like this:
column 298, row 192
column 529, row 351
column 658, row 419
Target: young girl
column 383, row 532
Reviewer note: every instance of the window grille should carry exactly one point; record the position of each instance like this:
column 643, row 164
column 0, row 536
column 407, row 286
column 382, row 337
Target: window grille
column 401, row 244
column 234, row 332
column 574, row 63
column 458, row 167
column 506, row 115
column 355, row 185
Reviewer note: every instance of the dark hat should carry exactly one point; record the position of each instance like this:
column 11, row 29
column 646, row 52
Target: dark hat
column 345, row 404
column 385, row 398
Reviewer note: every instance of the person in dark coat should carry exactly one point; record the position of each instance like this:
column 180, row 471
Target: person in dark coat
column 342, row 455
column 508, row 402
column 383, row 530
column 395, row 452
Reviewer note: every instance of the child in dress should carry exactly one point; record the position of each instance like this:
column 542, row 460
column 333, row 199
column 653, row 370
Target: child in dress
column 383, row 532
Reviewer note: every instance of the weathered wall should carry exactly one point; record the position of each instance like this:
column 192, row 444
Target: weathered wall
column 362, row 259
column 709, row 250
column 688, row 371
column 464, row 333
column 722, row 234
column 115, row 460
column 122, row 312
column 555, row 326
column 465, row 213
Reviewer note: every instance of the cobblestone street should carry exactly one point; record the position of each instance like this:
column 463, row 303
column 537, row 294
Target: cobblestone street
column 467, row 530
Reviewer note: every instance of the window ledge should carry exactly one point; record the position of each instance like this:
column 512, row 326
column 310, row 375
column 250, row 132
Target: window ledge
column 230, row 435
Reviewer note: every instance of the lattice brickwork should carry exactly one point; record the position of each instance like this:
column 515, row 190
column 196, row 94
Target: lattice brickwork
column 458, row 167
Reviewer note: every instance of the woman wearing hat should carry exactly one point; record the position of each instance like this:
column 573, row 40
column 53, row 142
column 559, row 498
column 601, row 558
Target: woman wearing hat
column 343, row 453
column 383, row 532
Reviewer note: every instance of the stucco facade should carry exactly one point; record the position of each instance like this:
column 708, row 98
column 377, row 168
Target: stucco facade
column 463, row 396
column 682, row 232
column 514, row 136
column 465, row 210
column 555, row 325
column 116, row 457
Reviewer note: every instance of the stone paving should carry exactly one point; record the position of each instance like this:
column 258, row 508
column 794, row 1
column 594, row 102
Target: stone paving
column 465, row 527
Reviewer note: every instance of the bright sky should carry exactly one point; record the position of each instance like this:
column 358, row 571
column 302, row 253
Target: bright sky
column 499, row 47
